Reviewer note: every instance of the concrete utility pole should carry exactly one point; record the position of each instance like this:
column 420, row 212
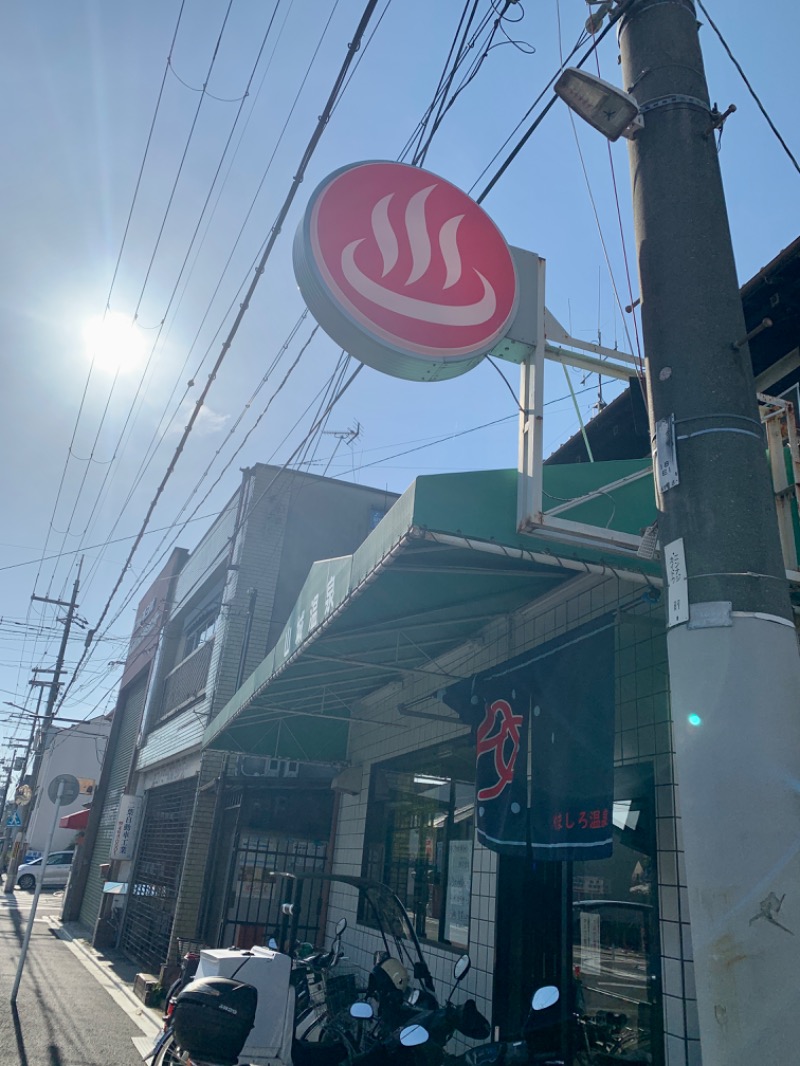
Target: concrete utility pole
column 734, row 667
column 47, row 721
column 4, row 829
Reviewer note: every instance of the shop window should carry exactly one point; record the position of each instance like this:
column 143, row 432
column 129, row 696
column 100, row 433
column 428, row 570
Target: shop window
column 616, row 954
column 419, row 834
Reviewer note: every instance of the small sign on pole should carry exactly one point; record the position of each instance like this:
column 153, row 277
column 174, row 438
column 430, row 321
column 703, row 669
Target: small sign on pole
column 69, row 789
column 677, row 583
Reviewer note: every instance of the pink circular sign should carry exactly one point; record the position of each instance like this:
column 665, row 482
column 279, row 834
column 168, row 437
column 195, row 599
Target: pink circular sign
column 404, row 270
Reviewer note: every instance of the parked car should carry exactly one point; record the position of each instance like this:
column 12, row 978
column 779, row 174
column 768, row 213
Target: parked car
column 56, row 873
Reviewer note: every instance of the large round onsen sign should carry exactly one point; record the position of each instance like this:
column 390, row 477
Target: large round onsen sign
column 404, row 270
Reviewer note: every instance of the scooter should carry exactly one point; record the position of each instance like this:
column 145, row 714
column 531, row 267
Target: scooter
column 409, row 1035
column 211, row 1019
column 190, row 960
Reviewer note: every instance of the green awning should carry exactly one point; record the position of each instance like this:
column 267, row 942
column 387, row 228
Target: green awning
column 441, row 564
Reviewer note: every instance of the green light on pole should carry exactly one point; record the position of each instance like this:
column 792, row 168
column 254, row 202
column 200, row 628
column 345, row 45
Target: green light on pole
column 695, row 720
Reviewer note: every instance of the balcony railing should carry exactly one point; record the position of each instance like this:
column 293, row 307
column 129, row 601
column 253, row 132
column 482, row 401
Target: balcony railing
column 187, row 681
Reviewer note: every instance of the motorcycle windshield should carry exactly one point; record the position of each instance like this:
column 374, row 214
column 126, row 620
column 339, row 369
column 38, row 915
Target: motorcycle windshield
column 378, row 908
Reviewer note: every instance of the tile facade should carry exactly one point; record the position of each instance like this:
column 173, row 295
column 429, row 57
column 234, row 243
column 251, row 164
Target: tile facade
column 643, row 734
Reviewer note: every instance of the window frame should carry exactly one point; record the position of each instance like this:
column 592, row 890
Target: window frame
column 380, row 827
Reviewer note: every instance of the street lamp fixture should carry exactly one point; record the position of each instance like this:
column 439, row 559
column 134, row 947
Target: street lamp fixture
column 610, row 110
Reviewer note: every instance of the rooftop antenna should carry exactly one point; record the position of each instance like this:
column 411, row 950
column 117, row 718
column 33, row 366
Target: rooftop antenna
column 343, row 436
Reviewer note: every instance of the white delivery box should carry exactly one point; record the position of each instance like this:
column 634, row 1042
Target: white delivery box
column 270, row 973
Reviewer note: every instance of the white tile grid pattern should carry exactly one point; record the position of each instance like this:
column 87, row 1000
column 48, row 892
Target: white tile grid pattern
column 643, row 733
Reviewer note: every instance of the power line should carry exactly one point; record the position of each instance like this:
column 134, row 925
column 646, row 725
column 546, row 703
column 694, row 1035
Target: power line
column 316, row 136
column 749, row 87
column 154, row 444
column 310, row 435
column 107, row 543
column 120, row 442
column 116, row 269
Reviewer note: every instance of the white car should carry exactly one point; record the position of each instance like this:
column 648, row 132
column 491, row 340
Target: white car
column 56, row 873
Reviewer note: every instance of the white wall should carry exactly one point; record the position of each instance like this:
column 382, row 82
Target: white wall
column 78, row 750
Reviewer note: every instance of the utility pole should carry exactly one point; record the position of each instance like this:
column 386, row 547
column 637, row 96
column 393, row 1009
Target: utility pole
column 732, row 645
column 8, row 831
column 49, row 713
column 4, row 829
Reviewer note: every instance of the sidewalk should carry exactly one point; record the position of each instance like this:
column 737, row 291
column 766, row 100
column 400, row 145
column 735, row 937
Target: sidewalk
column 75, row 1006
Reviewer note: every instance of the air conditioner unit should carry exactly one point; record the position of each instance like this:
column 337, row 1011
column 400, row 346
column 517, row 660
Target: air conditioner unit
column 263, row 766
column 251, row 765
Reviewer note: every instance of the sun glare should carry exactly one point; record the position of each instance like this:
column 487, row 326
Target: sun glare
column 114, row 343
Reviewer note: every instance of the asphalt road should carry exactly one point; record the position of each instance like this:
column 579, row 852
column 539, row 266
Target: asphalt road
column 66, row 1013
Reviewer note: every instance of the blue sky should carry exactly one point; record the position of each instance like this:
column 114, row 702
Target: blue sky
column 79, row 82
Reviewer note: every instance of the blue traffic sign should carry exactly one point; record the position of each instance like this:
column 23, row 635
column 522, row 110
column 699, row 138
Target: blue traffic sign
column 14, row 821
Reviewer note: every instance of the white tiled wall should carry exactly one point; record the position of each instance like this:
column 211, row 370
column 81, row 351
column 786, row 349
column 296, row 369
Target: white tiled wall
column 643, row 734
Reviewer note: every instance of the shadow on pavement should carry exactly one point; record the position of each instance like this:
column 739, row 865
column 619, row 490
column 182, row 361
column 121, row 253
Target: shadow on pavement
column 23, row 1057
column 12, row 908
column 120, row 966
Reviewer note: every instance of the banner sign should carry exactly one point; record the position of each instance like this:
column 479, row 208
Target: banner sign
column 544, row 734
column 404, row 270
column 125, row 830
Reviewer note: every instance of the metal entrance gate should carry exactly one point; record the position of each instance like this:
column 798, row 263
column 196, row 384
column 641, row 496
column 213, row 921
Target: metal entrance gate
column 255, row 897
column 157, row 872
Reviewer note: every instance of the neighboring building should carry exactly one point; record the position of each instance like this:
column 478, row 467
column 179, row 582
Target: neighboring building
column 97, row 860
column 231, row 600
column 77, row 750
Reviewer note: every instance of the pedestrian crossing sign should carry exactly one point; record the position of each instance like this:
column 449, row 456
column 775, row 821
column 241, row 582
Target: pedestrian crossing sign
column 14, row 821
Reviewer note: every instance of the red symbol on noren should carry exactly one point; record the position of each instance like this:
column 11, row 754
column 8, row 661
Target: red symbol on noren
column 412, row 260
column 506, row 725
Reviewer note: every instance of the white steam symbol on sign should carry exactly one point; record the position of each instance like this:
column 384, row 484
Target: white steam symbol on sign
column 420, row 244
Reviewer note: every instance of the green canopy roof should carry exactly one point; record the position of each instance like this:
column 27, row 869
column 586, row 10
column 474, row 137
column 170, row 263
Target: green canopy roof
column 442, row 563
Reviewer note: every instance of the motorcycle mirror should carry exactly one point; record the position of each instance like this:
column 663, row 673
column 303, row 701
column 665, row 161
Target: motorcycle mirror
column 462, row 967
column 361, row 1010
column 413, row 1036
column 341, row 925
column 413, row 996
column 545, row 997
column 273, row 944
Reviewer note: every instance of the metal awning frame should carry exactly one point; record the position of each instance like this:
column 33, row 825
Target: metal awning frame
column 330, row 672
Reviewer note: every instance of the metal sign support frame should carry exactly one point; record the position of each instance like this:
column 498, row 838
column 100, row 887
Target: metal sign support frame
column 535, row 335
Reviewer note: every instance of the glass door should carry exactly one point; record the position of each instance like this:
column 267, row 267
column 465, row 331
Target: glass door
column 615, row 949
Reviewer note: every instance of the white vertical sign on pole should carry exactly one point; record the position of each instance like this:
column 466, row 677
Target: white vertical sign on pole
column 125, row 830
column 677, row 583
